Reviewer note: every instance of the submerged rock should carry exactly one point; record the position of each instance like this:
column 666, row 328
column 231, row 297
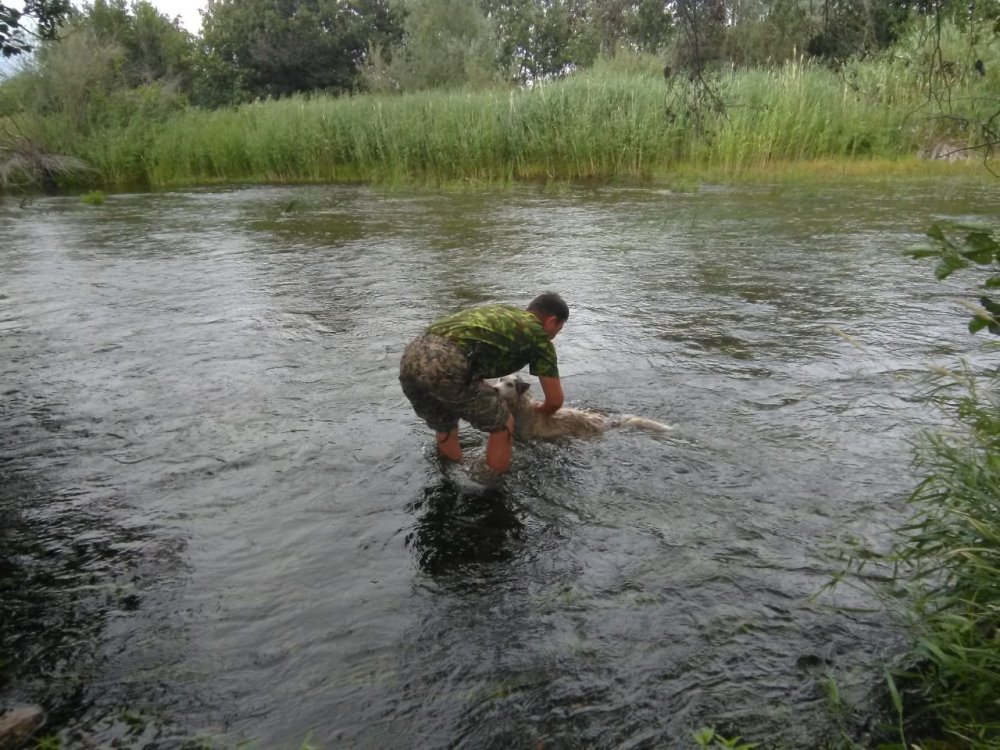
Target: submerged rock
column 18, row 724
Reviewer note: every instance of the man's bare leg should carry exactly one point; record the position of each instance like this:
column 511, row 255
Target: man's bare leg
column 448, row 445
column 499, row 446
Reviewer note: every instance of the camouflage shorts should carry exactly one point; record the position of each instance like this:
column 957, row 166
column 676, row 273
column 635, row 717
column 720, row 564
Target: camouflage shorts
column 436, row 378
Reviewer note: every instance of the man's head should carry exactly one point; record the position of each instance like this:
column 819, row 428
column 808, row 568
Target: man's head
column 551, row 311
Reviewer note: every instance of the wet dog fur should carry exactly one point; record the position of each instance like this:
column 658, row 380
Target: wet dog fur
column 567, row 422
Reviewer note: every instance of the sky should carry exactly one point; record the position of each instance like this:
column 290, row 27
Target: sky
column 186, row 9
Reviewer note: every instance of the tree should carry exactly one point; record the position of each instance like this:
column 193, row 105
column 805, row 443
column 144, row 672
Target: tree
column 702, row 26
column 112, row 64
column 543, row 38
column 558, row 40
column 155, row 49
column 71, row 80
column 280, row 47
column 39, row 19
column 641, row 25
column 650, row 26
column 768, row 32
column 511, row 20
column 446, row 43
column 954, row 252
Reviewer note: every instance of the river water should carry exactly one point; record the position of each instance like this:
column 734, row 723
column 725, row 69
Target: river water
column 222, row 522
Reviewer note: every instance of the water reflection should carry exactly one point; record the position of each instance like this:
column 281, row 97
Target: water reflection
column 68, row 574
column 460, row 526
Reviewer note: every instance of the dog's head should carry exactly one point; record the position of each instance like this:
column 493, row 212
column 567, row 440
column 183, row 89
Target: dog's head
column 511, row 388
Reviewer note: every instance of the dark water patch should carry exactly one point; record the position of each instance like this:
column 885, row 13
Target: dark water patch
column 459, row 530
column 68, row 580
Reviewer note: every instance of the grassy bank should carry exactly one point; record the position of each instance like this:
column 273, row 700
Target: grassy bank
column 948, row 558
column 943, row 569
column 603, row 123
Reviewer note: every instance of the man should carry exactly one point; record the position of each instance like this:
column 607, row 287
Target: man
column 442, row 372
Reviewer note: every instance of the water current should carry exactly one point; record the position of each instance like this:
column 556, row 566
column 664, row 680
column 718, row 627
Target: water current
column 221, row 521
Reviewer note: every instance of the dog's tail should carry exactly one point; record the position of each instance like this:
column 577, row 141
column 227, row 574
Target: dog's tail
column 641, row 423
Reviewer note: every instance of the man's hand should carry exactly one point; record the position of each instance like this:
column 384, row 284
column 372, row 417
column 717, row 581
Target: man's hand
column 552, row 389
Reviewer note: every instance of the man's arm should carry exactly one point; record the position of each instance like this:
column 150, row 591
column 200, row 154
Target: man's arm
column 553, row 391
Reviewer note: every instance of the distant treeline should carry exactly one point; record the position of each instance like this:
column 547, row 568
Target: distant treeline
column 252, row 49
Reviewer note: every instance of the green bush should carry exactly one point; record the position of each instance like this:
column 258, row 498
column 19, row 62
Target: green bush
column 93, row 198
column 945, row 561
column 950, row 551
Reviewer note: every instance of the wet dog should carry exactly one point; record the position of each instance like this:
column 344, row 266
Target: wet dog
column 567, row 422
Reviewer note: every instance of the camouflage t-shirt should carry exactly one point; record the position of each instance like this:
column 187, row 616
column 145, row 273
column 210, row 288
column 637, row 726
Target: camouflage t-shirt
column 499, row 339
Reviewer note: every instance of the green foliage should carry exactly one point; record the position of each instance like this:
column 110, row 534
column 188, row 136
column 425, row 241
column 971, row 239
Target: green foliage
column 701, row 27
column 272, row 48
column 13, row 93
column 71, row 80
column 950, row 551
column 110, row 69
column 577, row 127
column 975, row 246
column 114, row 74
column 541, row 39
column 637, row 26
column 154, row 48
column 851, row 27
column 939, row 56
column 769, row 33
column 897, row 705
column 25, row 166
column 216, row 83
column 945, row 561
column 446, row 44
column 93, row 198
column 618, row 119
column 707, row 737
column 38, row 19
column 625, row 62
column 802, row 111
column 648, row 27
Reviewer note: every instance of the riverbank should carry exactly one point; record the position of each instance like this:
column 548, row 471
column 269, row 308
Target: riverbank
column 794, row 122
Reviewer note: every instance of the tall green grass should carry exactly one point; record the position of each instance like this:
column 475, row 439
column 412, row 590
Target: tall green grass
column 943, row 581
column 605, row 123
column 950, row 556
column 801, row 112
column 941, row 576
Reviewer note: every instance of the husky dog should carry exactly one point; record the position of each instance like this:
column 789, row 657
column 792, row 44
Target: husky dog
column 566, row 422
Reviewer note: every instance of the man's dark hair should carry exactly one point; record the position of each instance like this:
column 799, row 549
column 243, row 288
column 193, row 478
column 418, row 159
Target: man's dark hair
column 550, row 303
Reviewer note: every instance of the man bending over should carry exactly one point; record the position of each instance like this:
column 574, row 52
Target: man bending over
column 443, row 371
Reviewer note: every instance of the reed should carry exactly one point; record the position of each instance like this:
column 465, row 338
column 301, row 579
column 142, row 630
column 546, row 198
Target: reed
column 941, row 577
column 950, row 552
column 603, row 123
column 804, row 112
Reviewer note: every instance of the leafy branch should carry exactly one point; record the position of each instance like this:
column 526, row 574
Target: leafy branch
column 39, row 20
column 955, row 252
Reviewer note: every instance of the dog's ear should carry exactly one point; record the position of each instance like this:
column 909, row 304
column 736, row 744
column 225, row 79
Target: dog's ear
column 522, row 387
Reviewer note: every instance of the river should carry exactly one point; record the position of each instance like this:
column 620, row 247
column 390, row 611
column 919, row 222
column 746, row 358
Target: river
column 221, row 521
